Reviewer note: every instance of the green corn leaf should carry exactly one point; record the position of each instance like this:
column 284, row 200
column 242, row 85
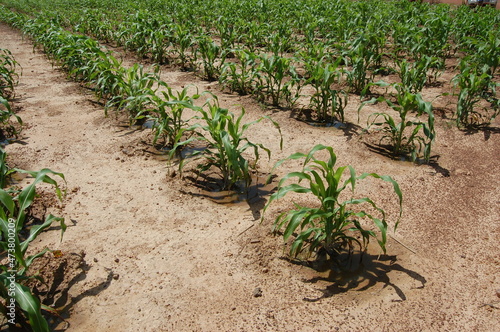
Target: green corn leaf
column 31, row 306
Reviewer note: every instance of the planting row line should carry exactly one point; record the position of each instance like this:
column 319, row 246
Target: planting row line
column 323, row 62
column 8, row 80
column 274, row 78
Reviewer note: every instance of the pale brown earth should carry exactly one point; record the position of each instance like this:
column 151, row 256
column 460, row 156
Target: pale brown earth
column 454, row 2
column 159, row 255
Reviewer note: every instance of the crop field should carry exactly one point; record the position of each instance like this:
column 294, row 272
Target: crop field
column 249, row 165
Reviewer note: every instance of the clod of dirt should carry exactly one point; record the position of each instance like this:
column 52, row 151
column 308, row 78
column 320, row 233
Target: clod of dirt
column 58, row 272
column 498, row 292
column 128, row 152
column 257, row 292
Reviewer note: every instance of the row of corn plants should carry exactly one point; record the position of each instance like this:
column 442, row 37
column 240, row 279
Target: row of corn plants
column 331, row 232
column 9, row 75
column 421, row 37
column 21, row 307
column 137, row 94
column 337, row 47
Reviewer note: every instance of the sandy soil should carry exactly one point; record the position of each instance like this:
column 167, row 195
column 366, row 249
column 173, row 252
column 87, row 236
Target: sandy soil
column 148, row 252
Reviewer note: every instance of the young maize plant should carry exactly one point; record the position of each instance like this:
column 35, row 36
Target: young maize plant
column 184, row 43
column 333, row 223
column 329, row 103
column 14, row 245
column 239, row 76
column 361, row 58
column 276, row 77
column 77, row 56
column 167, row 117
column 106, row 76
column 7, row 129
column 226, row 146
column 477, row 91
column 136, row 92
column 415, row 75
column 160, row 43
column 213, row 57
column 255, row 36
column 227, row 29
column 8, row 80
column 487, row 54
column 408, row 136
column 280, row 41
column 8, row 74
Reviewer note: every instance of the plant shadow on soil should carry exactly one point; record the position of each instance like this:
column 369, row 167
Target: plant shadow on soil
column 306, row 116
column 209, row 187
column 486, row 130
column 356, row 271
column 60, row 272
column 386, row 151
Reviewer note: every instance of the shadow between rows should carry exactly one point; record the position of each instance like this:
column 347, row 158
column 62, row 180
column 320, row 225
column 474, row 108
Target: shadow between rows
column 253, row 196
column 486, row 130
column 305, row 115
column 386, row 151
column 66, row 302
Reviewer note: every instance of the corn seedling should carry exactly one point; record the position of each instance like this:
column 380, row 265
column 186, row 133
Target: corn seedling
column 328, row 102
column 14, row 246
column 406, row 135
column 223, row 134
column 166, row 115
column 107, row 75
column 135, row 92
column 7, row 129
column 475, row 86
column 415, row 75
column 213, row 57
column 160, row 43
column 239, row 76
column 276, row 77
column 360, row 59
column 280, row 42
column 334, row 222
column 5, row 170
column 488, row 53
column 255, row 36
column 183, row 42
column 77, row 56
column 8, row 80
column 8, row 74
column 228, row 32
